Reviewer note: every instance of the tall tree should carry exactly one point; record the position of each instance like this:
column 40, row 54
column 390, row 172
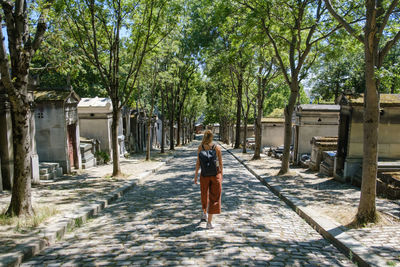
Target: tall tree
column 147, row 95
column 380, row 34
column 59, row 62
column 98, row 29
column 293, row 28
column 267, row 71
column 14, row 69
column 250, row 98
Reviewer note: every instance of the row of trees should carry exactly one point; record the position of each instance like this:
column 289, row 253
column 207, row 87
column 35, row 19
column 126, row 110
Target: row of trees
column 135, row 53
column 246, row 57
column 255, row 49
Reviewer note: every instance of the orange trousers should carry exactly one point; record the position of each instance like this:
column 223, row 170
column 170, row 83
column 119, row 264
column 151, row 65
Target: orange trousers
column 211, row 188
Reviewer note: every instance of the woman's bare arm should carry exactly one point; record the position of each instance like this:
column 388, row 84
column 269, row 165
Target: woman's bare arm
column 196, row 173
column 219, row 154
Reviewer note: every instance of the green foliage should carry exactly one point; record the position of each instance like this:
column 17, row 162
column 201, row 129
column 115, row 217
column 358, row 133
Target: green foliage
column 21, row 224
column 277, row 113
column 102, row 155
column 389, row 74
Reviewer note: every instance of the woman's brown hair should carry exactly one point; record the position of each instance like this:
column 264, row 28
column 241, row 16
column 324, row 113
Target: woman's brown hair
column 207, row 137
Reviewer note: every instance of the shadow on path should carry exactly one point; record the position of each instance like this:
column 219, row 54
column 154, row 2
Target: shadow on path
column 158, row 223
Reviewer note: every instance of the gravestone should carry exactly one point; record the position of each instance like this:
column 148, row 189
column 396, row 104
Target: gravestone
column 88, row 159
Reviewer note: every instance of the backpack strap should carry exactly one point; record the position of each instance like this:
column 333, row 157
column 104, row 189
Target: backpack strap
column 213, row 147
column 202, row 146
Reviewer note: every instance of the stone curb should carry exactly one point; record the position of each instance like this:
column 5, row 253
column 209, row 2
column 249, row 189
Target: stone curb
column 50, row 234
column 330, row 230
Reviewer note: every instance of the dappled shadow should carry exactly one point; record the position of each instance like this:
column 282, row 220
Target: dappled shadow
column 157, row 223
column 334, row 199
column 68, row 194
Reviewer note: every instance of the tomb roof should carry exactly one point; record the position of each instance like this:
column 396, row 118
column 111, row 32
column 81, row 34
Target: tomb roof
column 386, row 100
column 55, row 95
column 273, row 120
column 95, row 102
column 318, row 107
column 98, row 105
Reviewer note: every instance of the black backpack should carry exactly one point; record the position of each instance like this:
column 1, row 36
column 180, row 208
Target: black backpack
column 208, row 161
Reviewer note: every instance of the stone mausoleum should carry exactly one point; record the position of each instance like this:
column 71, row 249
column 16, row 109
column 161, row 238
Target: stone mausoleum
column 95, row 119
column 349, row 155
column 57, row 127
column 313, row 120
column 273, row 130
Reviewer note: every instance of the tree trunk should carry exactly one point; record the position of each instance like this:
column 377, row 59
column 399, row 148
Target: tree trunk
column 238, row 112
column 171, row 109
column 367, row 207
column 178, row 137
column 148, row 146
column 21, row 191
column 171, row 130
column 337, row 91
column 244, row 150
column 184, row 133
column 114, row 139
column 14, row 69
column 258, row 131
column 162, row 121
column 224, row 131
column 171, row 133
column 288, row 127
column 191, row 130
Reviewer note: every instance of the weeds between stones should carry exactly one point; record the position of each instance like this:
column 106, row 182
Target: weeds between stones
column 41, row 213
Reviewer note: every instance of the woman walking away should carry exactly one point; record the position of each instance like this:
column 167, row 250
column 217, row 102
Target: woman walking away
column 209, row 158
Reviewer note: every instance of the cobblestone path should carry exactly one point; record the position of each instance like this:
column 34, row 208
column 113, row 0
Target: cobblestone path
column 157, row 223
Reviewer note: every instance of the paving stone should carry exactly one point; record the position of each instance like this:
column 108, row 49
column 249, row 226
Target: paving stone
column 157, row 223
column 328, row 197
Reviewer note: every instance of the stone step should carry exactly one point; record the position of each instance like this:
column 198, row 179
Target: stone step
column 50, row 170
column 85, row 147
column 87, row 159
column 87, row 154
column 43, row 171
column 51, row 166
column 47, row 176
column 88, row 164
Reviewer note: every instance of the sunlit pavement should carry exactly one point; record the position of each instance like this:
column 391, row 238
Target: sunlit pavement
column 158, row 224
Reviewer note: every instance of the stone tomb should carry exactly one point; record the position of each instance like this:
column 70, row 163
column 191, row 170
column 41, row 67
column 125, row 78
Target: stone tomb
column 348, row 161
column 50, row 170
column 313, row 120
column 139, row 131
column 319, row 144
column 388, row 185
column 57, row 128
column 95, row 120
column 272, row 132
column 6, row 143
column 327, row 165
column 88, row 158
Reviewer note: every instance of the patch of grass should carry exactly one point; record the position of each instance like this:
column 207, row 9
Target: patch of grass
column 391, row 263
column 78, row 222
column 24, row 223
column 122, row 175
column 5, row 219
